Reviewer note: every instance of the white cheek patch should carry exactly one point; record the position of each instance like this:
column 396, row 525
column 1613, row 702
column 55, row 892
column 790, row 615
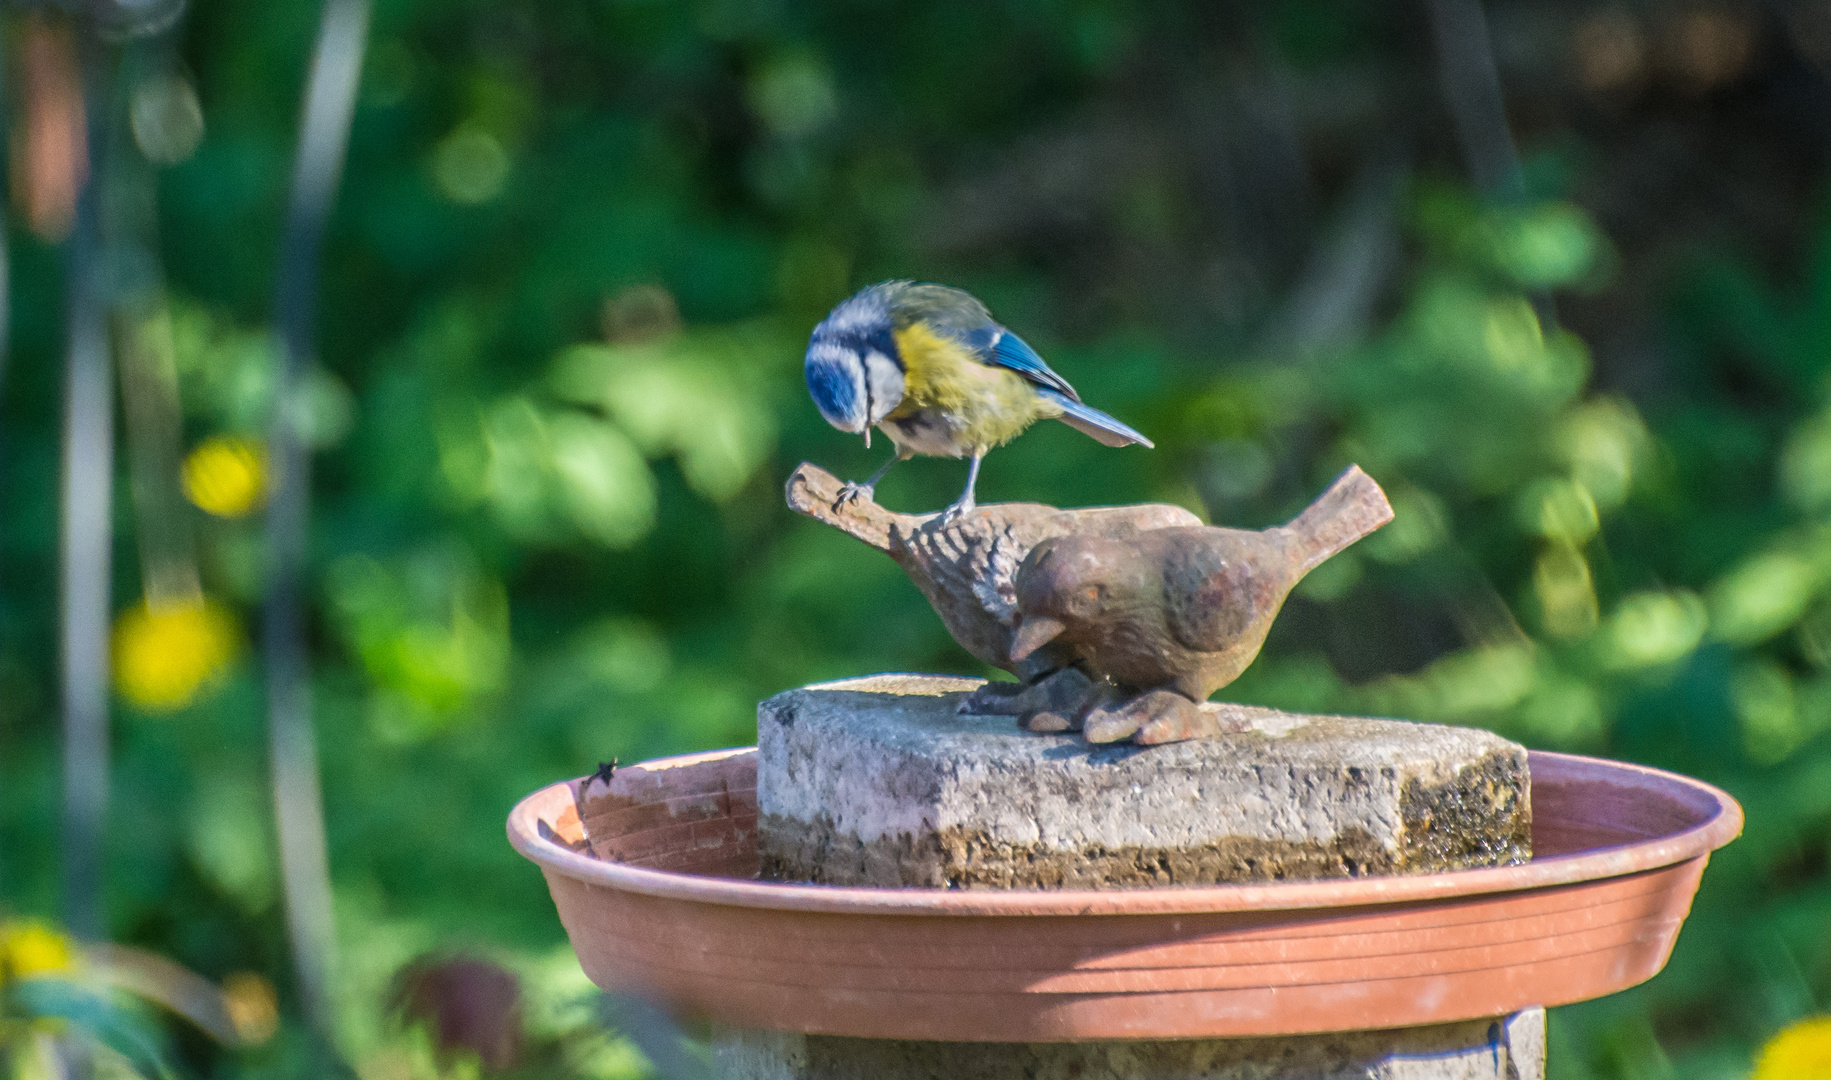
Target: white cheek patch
column 885, row 381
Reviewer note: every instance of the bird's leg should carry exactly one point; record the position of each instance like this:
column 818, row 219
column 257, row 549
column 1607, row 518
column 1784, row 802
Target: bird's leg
column 867, row 491
column 964, row 504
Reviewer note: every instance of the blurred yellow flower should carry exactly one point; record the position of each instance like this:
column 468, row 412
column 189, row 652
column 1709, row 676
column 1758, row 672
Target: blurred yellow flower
column 1800, row 1052
column 29, row 947
column 226, row 475
column 163, row 657
column 252, row 1005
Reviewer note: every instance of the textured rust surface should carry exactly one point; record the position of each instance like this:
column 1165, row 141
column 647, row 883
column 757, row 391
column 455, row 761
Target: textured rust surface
column 1182, row 610
column 967, row 568
column 1142, row 597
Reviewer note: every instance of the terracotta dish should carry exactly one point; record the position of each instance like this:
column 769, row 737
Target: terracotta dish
column 681, row 920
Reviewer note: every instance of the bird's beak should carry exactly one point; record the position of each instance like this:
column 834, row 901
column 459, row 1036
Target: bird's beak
column 1037, row 631
column 867, row 436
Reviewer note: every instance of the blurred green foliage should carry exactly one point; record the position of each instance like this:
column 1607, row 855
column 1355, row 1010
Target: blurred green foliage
column 575, row 258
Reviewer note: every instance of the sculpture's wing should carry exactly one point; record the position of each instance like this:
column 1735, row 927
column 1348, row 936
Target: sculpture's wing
column 1209, row 589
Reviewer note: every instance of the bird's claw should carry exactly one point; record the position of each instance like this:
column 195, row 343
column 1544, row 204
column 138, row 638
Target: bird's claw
column 953, row 514
column 1157, row 716
column 852, row 492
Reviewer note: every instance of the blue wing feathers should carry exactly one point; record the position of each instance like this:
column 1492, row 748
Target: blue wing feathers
column 1091, row 421
column 1009, row 350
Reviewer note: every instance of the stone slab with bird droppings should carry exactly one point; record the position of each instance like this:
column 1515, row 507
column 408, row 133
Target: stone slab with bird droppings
column 882, row 781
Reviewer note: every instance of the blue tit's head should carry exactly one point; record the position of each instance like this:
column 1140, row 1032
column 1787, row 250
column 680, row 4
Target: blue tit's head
column 854, row 372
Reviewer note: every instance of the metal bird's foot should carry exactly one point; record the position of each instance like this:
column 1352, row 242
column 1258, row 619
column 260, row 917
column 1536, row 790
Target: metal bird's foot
column 854, row 492
column 1055, row 702
column 996, row 699
column 1153, row 717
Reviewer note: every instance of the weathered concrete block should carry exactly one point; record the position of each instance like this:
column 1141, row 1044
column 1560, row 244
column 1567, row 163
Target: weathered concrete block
column 1506, row 1048
column 881, row 781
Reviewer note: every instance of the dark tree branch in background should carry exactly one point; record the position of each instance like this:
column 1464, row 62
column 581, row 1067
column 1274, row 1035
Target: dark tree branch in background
column 1471, row 89
column 330, row 101
column 1333, row 300
column 88, row 477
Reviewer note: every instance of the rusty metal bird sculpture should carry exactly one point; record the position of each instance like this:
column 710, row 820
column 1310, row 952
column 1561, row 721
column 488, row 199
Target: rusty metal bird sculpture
column 1166, row 617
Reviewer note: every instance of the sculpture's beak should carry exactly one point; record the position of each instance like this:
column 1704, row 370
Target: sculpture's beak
column 1036, row 631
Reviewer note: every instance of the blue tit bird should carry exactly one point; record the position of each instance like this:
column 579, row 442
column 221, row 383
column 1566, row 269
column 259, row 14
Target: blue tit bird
column 929, row 367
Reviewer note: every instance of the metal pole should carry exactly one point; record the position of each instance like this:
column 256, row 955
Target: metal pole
column 1471, row 89
column 88, row 490
column 330, row 101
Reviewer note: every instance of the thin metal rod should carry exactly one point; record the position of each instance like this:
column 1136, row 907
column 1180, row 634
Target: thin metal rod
column 6, row 313
column 1471, row 89
column 88, row 482
column 330, row 101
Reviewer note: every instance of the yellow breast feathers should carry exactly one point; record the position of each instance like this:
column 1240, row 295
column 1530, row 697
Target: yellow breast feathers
column 994, row 404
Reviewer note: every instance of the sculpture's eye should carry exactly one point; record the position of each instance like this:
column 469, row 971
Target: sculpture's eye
column 1094, row 593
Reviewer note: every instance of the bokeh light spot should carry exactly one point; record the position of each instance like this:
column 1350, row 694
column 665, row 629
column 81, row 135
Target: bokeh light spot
column 794, row 95
column 226, row 476
column 1762, row 596
column 164, row 658
column 1802, row 1051
column 1559, row 509
column 1566, row 594
column 167, row 119
column 252, row 1005
column 1652, row 628
column 29, row 948
column 470, row 166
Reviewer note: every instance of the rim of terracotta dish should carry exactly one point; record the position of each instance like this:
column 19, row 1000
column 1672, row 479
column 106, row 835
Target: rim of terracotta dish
column 1721, row 822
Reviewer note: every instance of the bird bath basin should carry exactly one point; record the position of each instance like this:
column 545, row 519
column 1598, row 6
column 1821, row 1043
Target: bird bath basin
column 682, row 920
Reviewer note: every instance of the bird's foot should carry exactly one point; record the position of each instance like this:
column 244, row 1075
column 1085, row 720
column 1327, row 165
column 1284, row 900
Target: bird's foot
column 1065, row 690
column 996, row 699
column 852, row 492
column 1157, row 716
column 1056, row 702
column 953, row 514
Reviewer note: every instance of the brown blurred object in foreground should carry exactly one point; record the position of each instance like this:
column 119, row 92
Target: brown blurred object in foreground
column 470, row 1004
column 50, row 151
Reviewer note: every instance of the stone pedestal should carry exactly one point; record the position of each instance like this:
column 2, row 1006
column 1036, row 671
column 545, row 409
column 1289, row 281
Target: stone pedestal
column 883, row 782
column 1508, row 1048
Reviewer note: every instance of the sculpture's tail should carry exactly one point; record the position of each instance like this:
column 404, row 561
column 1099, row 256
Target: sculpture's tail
column 1352, row 507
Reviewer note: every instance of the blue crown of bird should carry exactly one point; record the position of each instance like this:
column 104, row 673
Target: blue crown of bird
column 929, row 367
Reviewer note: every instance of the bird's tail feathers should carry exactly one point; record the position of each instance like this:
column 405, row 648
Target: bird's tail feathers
column 1091, row 421
column 1352, row 507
